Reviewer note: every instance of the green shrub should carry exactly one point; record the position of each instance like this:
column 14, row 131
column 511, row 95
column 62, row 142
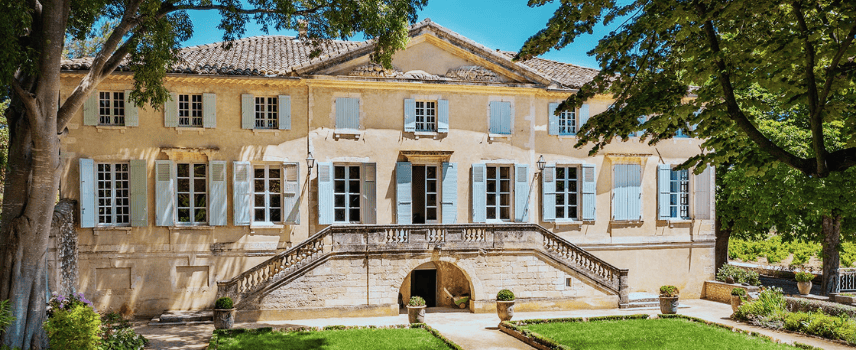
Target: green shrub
column 770, row 304
column 739, row 292
column 223, row 303
column 118, row 334
column 739, row 275
column 6, row 317
column 72, row 323
column 505, row 295
column 669, row 291
column 803, row 277
column 416, row 301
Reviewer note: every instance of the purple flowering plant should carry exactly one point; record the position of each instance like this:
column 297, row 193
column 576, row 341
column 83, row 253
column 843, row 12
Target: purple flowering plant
column 61, row 302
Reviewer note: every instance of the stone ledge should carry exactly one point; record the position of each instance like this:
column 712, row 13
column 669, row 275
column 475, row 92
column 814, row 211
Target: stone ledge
column 320, row 312
column 721, row 291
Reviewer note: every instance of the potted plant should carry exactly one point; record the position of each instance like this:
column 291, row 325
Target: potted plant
column 669, row 299
column 505, row 305
column 804, row 282
column 737, row 296
column 224, row 313
column 416, row 310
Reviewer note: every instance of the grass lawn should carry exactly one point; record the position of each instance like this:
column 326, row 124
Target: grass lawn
column 350, row 339
column 649, row 334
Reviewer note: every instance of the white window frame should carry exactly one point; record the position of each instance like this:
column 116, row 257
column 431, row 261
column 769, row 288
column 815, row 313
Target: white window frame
column 267, row 193
column 192, row 110
column 266, row 113
column 566, row 195
column 115, row 108
column 497, row 194
column 192, row 191
column 425, row 116
column 348, row 192
column 563, row 118
column 112, row 196
column 679, row 189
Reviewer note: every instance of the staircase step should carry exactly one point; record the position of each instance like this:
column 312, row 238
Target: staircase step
column 171, row 318
column 645, row 306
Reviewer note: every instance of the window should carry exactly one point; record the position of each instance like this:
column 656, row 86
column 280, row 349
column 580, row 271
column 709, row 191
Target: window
column 498, row 190
column 679, row 194
column 500, row 118
column 627, row 192
column 567, row 123
column 190, row 110
column 567, row 193
column 426, row 116
column 113, row 194
column 111, row 108
column 267, row 193
column 191, row 193
column 267, row 113
column 347, row 113
column 346, row 193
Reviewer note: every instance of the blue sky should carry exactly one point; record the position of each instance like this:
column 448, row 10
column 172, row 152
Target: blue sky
column 498, row 24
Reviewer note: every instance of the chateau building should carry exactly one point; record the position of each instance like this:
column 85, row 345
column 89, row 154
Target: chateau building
column 425, row 179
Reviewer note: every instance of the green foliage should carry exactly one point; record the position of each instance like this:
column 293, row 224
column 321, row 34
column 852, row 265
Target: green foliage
column 118, row 334
column 669, row 291
column 750, row 250
column 416, row 301
column 739, row 275
column 505, row 295
column 738, row 292
column 6, row 317
column 73, row 324
column 822, row 325
column 803, row 277
column 769, row 306
column 223, row 303
column 462, row 300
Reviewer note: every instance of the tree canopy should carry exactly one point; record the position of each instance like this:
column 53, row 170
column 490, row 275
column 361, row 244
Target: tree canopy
column 702, row 65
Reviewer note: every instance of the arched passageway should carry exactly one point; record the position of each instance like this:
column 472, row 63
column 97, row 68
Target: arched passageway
column 440, row 283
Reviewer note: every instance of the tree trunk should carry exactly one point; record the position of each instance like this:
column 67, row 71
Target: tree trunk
column 720, row 250
column 831, row 230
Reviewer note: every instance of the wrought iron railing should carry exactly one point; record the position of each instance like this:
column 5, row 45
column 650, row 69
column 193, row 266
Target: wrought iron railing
column 847, row 280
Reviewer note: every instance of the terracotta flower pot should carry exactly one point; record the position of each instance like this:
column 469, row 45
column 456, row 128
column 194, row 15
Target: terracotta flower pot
column 224, row 318
column 736, row 301
column 804, row 287
column 505, row 310
column 416, row 314
column 668, row 305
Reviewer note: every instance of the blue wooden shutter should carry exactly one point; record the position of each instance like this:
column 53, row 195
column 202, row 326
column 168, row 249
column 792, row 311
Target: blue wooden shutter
column 90, row 109
column 442, row 116
column 347, row 113
column 589, row 192
column 165, row 189
column 521, row 192
column 87, row 192
column 132, row 113
column 409, row 115
column 553, row 120
column 284, row 112
column 170, row 111
column 248, row 111
column 404, row 193
column 584, row 115
column 664, row 176
column 291, row 194
column 703, row 191
column 450, row 193
column 548, row 193
column 626, row 201
column 217, row 211
column 479, row 193
column 500, row 117
column 369, row 171
column 325, row 193
column 242, row 195
column 139, row 193
column 209, row 110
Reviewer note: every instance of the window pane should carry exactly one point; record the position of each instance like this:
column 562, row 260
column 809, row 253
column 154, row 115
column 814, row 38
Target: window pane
column 259, row 173
column 339, row 215
column 275, row 185
column 275, row 215
column 199, row 170
column 199, row 200
column 184, row 215
column 183, row 170
column 274, row 173
column 491, row 172
column 199, row 185
column 355, row 201
column 339, row 200
column 491, row 213
column 339, row 186
column 183, row 185
column 504, row 199
column 560, row 212
column 275, row 201
column 504, row 213
column 183, row 200
column 200, row 216
column 339, row 172
column 260, row 215
column 354, row 172
column 355, row 215
column 431, row 213
column 259, row 185
column 260, row 200
column 560, row 186
column 560, row 173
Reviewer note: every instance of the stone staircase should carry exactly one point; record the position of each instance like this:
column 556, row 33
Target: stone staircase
column 643, row 301
column 181, row 318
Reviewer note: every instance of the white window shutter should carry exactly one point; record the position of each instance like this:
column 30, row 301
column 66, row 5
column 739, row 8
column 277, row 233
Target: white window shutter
column 87, row 193
column 325, row 193
column 291, row 194
column 347, row 113
column 664, row 177
column 443, row 116
column 479, row 193
column 217, row 211
column 132, row 113
column 627, row 195
column 409, row 115
column 242, row 195
column 165, row 190
column 139, row 193
column 369, row 180
column 170, row 111
column 450, row 193
column 521, row 192
column 403, row 193
column 500, row 117
column 553, row 120
column 548, row 194
column 248, row 111
column 209, row 111
column 589, row 199
column 584, row 115
column 90, row 109
column 284, row 112
column 703, row 190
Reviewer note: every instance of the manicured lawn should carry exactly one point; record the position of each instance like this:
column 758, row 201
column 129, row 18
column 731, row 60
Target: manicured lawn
column 649, row 334
column 351, row 339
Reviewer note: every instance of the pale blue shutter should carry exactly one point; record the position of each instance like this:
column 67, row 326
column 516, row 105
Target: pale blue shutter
column 291, row 194
column 209, row 111
column 548, row 193
column 500, row 117
column 409, row 115
column 553, row 120
column 170, row 111
column 369, row 171
column 325, row 193
column 442, row 116
column 165, row 190
column 703, row 191
column 589, row 192
column 404, row 193
column 479, row 193
column 242, row 195
column 664, row 176
column 521, row 192
column 132, row 114
column 626, row 193
column 217, row 211
column 87, row 192
column 248, row 111
column 450, row 193
column 284, row 112
column 584, row 115
column 139, row 193
column 347, row 113
column 90, row 109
